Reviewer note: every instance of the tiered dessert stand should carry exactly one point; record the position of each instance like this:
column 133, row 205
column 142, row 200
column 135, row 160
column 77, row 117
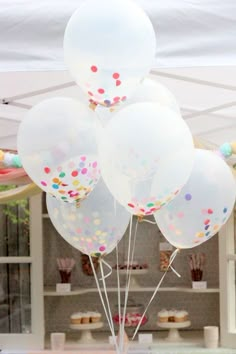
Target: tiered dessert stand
column 86, row 331
column 173, row 335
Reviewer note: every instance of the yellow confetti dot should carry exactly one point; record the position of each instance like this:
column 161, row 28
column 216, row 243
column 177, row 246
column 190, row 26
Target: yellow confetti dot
column 97, row 222
column 158, row 203
column 75, row 183
column 178, row 232
column 104, row 234
column 1, row 155
column 75, row 238
column 200, row 234
column 216, row 227
column 72, row 217
column 98, row 232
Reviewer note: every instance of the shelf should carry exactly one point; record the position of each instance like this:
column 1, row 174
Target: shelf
column 50, row 291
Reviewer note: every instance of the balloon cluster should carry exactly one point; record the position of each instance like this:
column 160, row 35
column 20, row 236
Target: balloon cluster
column 133, row 146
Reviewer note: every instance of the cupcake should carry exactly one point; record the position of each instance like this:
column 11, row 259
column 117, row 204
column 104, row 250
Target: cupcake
column 95, row 317
column 162, row 316
column 171, row 317
column 180, row 316
column 185, row 315
column 76, row 318
column 85, row 318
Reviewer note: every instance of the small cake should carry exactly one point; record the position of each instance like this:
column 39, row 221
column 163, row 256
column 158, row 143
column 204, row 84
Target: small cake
column 163, row 316
column 95, row 317
column 180, row 316
column 76, row 318
column 171, row 316
column 85, row 318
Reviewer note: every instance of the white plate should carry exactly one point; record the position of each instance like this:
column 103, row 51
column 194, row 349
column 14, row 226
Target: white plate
column 170, row 325
column 86, row 326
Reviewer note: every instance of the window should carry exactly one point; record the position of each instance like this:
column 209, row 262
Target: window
column 21, row 279
column 227, row 247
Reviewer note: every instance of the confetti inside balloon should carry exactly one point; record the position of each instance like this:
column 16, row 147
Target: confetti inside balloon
column 57, row 146
column 95, row 227
column 205, row 203
column 146, row 155
column 109, row 46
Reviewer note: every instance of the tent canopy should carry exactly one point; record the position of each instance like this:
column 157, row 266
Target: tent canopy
column 195, row 59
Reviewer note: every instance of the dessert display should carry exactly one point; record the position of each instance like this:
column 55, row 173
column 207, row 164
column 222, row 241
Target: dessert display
column 134, row 266
column 172, row 316
column 133, row 315
column 85, row 318
column 86, row 265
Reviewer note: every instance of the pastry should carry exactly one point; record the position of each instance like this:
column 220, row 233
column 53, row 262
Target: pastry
column 76, row 318
column 95, row 317
column 180, row 316
column 163, row 316
column 171, row 316
column 85, row 318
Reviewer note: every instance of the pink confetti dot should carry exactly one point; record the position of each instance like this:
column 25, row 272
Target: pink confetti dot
column 101, row 91
column 86, row 220
column 116, row 99
column 44, row 183
column 84, row 171
column 94, row 69
column 83, row 158
column 74, row 173
column 210, row 211
column 47, row 170
column 90, row 93
column 116, row 76
column 94, row 164
column 131, row 205
column 207, row 221
column 118, row 82
column 102, row 248
column 123, row 98
column 180, row 214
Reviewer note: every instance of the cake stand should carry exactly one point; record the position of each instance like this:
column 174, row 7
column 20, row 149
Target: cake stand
column 133, row 274
column 86, row 334
column 173, row 335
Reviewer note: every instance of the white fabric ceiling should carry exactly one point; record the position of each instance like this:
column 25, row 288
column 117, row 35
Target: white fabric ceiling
column 195, row 59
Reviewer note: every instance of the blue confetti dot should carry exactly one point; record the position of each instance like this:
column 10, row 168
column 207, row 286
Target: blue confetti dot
column 225, row 210
column 207, row 227
column 208, row 233
column 55, row 186
column 188, row 196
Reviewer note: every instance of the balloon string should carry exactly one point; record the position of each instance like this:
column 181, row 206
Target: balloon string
column 129, row 278
column 118, row 286
column 126, row 289
column 172, row 257
column 108, row 266
column 106, row 296
column 149, row 221
column 154, row 223
column 102, row 301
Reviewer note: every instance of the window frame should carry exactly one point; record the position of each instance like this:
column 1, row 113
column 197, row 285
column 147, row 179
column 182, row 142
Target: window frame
column 227, row 257
column 35, row 339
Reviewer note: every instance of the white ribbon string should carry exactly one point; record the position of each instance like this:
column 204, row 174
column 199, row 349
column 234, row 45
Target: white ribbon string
column 106, row 296
column 103, row 304
column 118, row 286
column 154, row 223
column 172, row 257
column 108, row 266
column 129, row 278
column 126, row 288
column 149, row 221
